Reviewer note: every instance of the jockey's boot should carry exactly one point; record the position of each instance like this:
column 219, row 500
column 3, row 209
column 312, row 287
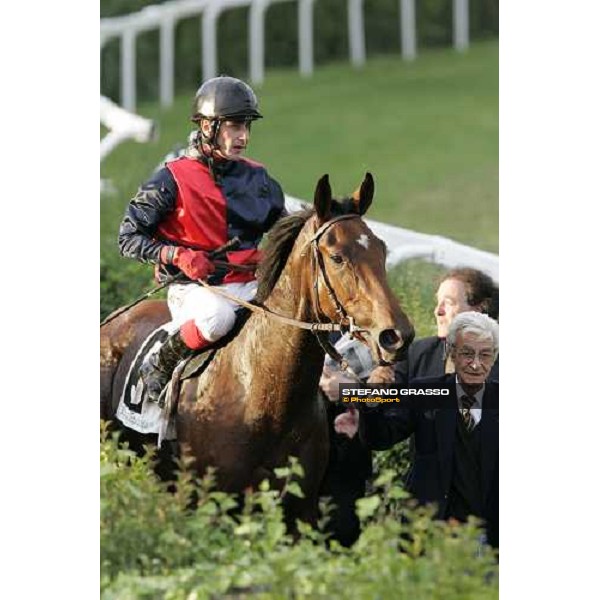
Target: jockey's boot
column 157, row 370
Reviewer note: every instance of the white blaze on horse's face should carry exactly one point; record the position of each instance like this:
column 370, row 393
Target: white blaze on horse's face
column 363, row 240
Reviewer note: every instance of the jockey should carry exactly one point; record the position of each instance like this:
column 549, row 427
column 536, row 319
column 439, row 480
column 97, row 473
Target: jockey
column 194, row 205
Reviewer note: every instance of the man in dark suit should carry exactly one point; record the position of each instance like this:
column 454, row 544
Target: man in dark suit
column 456, row 445
column 350, row 461
column 459, row 290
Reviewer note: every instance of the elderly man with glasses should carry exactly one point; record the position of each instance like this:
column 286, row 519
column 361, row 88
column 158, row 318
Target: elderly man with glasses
column 456, row 445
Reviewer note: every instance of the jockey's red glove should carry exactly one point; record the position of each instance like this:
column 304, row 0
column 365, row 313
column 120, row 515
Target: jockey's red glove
column 194, row 263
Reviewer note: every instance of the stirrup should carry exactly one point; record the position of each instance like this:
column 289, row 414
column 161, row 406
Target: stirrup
column 158, row 369
column 162, row 398
column 154, row 378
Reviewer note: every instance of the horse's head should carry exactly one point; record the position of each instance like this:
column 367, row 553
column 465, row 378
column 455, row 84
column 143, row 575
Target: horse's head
column 347, row 270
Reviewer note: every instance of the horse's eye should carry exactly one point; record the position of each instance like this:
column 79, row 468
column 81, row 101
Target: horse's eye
column 337, row 259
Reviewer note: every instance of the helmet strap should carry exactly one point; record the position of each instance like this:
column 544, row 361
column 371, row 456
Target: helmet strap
column 208, row 145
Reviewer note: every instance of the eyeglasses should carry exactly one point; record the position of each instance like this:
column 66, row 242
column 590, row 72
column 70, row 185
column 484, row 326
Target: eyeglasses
column 468, row 355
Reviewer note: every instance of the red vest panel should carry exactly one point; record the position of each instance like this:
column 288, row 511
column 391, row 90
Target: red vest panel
column 200, row 216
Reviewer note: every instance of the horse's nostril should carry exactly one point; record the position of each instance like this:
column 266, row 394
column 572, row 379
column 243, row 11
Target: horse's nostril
column 390, row 340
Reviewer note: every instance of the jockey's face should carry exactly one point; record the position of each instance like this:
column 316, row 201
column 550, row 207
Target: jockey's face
column 232, row 139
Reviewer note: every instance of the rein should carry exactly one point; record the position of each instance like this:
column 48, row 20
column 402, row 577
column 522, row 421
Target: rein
column 351, row 327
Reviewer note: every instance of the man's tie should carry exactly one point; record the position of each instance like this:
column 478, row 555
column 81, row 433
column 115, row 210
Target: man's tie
column 466, row 402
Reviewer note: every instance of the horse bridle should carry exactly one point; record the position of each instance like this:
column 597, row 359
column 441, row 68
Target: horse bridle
column 346, row 323
column 318, row 268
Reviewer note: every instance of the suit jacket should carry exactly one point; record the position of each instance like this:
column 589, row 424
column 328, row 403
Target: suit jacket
column 350, row 461
column 434, row 432
column 426, row 359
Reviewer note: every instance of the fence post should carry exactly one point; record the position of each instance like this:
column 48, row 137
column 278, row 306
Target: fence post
column 167, row 60
column 209, row 42
column 356, row 32
column 461, row 24
column 256, row 36
column 305, row 36
column 128, row 69
column 408, row 29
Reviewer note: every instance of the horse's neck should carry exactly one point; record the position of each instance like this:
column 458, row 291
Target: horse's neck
column 290, row 357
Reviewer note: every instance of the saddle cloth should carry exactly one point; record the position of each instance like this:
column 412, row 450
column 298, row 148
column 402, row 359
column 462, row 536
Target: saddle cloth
column 135, row 411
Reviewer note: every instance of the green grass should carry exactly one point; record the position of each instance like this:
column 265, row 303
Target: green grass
column 427, row 130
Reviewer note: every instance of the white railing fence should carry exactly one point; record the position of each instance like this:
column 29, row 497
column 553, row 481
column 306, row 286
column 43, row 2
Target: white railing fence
column 122, row 125
column 164, row 17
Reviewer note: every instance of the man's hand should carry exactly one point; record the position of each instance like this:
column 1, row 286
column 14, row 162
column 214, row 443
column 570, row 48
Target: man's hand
column 381, row 375
column 347, row 422
column 330, row 381
column 194, row 263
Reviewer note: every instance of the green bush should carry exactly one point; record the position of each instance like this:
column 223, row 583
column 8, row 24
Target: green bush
column 122, row 281
column 153, row 545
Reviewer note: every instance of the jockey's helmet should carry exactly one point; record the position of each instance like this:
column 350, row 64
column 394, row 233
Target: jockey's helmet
column 222, row 98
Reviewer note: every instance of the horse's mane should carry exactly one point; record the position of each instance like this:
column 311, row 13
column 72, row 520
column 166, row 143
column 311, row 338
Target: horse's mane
column 279, row 244
column 280, row 241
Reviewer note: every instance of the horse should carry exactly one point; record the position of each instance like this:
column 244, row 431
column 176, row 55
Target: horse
column 256, row 404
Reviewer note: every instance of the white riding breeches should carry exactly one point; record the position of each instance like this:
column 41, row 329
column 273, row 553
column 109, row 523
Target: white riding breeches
column 213, row 315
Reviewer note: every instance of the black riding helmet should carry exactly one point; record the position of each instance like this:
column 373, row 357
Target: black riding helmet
column 223, row 98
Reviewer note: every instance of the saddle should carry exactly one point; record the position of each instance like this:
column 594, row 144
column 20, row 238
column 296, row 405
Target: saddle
column 136, row 411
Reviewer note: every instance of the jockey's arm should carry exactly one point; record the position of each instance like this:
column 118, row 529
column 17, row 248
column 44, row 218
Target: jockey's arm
column 154, row 200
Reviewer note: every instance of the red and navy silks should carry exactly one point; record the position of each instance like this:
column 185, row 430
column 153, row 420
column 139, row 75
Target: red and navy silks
column 182, row 205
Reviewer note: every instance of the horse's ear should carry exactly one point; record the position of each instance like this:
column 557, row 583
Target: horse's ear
column 363, row 196
column 323, row 199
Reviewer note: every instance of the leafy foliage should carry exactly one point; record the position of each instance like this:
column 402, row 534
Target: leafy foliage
column 155, row 545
